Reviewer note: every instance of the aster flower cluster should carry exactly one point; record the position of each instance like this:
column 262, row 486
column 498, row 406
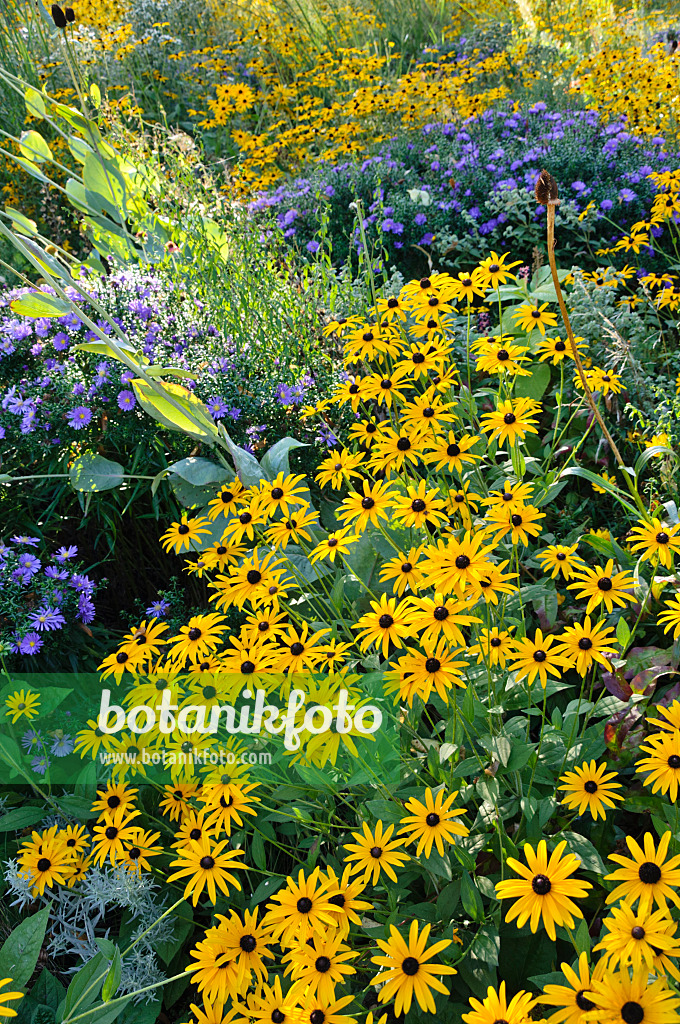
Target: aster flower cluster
column 471, row 183
column 43, row 595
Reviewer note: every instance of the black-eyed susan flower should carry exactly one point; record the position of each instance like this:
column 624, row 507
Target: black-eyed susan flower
column 213, row 972
column 76, row 839
column 623, row 997
column 387, row 623
column 537, row 657
column 45, row 863
column 560, row 558
column 269, row 1004
column 403, row 570
column 352, row 392
column 207, row 865
column 491, row 584
column 282, row 494
column 226, row 802
column 512, row 495
column 656, row 540
column 247, row 662
column 589, row 787
column 407, row 972
column 117, row 796
column 318, row 966
column 671, row 716
column 511, row 421
column 147, row 636
column 212, row 1012
column 440, row 616
column 198, row 639
column 496, row 1008
column 137, row 851
column 369, row 505
column 646, row 876
column 661, row 766
column 603, row 586
column 494, row 271
column 7, row 997
column 635, row 939
column 392, row 451
column 183, row 535
column 338, row 468
column 366, row 432
column 376, row 851
column 247, row 944
column 520, row 522
column 571, row 1000
column 556, row 349
column 433, row 821
column 528, row 317
column 452, row 453
column 229, row 497
column 301, row 908
column 493, row 645
column 419, row 672
column 669, row 618
column 294, row 528
column 545, row 892
column 299, row 650
column 500, row 356
column 427, row 413
column 422, row 357
column 467, row 286
column 452, row 565
column 329, row 1011
column 244, row 522
column 419, row 506
column 247, row 582
column 584, row 643
column 346, row 903
column 111, row 833
column 22, row 704
column 384, row 389
column 339, row 542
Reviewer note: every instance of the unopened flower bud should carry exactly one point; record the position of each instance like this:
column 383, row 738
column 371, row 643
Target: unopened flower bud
column 70, row 14
column 58, row 16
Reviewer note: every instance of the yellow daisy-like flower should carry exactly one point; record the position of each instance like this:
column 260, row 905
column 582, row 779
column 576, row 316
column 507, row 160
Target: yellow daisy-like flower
column 368, row 506
column 387, row 623
column 22, row 704
column 181, row 536
column 207, row 865
column 561, row 558
column 511, row 421
column 5, row 997
column 620, row 998
column 376, row 851
column 403, row 569
column 585, row 643
column 493, row 645
column 545, row 891
column 302, row 908
column 419, row 506
column 494, row 271
column 636, row 939
column 555, row 349
column 538, row 657
column 662, row 765
column 670, row 617
column 571, row 999
column 432, row 822
column 520, row 522
column 408, row 972
column 337, row 543
column 319, row 966
column 453, row 453
column 528, row 317
column 656, row 540
column 496, row 1008
column 646, row 876
column 589, row 788
column 338, row 468
column 603, row 586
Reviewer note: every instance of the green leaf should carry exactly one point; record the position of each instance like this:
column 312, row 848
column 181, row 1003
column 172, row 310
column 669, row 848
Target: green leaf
column 20, row 224
column 534, row 386
column 654, row 451
column 447, row 901
column 21, row 817
column 470, row 898
column 11, row 755
column 39, row 304
column 79, row 150
column 19, row 953
column 34, row 147
column 100, row 348
column 112, row 981
column 92, row 472
column 623, row 633
column 276, row 459
column 247, row 466
column 95, row 95
column 35, row 104
column 468, row 704
column 192, row 417
column 90, row 974
column 582, row 938
column 200, row 472
column 48, row 990
column 77, row 806
column 586, row 474
column 585, row 851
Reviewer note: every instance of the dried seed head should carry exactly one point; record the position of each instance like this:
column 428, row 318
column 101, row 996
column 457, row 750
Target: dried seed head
column 58, row 16
column 546, row 188
column 70, row 14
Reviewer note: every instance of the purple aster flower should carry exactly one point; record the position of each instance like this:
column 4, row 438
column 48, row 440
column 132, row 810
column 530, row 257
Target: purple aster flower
column 53, row 573
column 40, row 764
column 606, row 204
column 234, row 413
column 31, row 542
column 63, row 745
column 31, row 644
column 627, row 195
column 78, row 389
column 284, row 396
column 86, row 610
column 126, row 400
column 82, row 584
column 79, row 417
column 47, row 619
column 158, row 609
column 31, row 739
column 217, row 407
column 63, row 554
column 60, row 341
column 29, row 564
column 126, row 376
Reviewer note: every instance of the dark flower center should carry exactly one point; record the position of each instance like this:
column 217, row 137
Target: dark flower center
column 509, row 418
column 332, row 542
column 385, row 621
column 493, row 268
column 540, row 655
column 277, row 493
column 111, row 832
column 662, row 538
column 425, row 283
column 605, row 583
column 221, row 550
column 121, row 657
column 245, row 518
column 183, row 529
column 441, row 613
column 632, row 1013
column 418, row 505
column 376, row 852
column 338, row 900
column 637, row 932
column 337, row 467
column 462, row 562
column 560, row 556
column 536, row 313
column 590, row 786
column 516, row 520
column 367, row 336
column 367, row 503
column 44, row 864
column 209, row 692
column 495, row 641
column 541, row 885
column 417, row 358
column 278, row 1017
column 392, row 303
column 113, row 800
column 247, row 943
column 322, row 964
column 304, row 905
column 403, row 444
column 297, row 648
column 583, row 1002
column 226, row 497
column 354, row 389
column 386, row 383
column 195, row 834
column 253, row 576
column 406, row 567
column 432, row 819
column 433, row 665
column 410, row 966
column 503, row 354
column 247, row 667
column 207, row 862
column 649, row 873
column 453, row 450
column 585, row 643
column 194, row 633
column 674, row 761
column 560, row 346
column 318, row 1016
column 428, row 412
column 135, row 853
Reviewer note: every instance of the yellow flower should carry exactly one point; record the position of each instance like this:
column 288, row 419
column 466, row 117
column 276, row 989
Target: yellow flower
column 528, row 317
column 22, row 704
